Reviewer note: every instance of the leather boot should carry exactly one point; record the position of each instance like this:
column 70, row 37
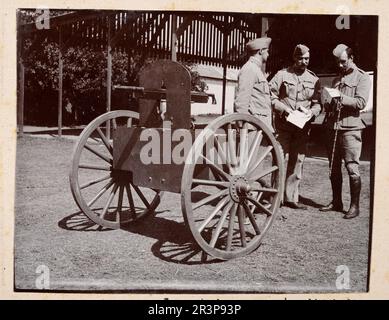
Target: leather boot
column 355, row 191
column 336, row 203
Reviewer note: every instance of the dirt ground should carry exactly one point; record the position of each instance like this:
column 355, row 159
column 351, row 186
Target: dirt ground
column 300, row 253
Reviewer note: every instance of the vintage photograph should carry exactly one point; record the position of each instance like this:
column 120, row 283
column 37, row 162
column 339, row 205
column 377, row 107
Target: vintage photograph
column 194, row 151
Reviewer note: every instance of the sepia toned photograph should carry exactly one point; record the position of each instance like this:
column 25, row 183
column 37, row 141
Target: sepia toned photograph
column 194, row 151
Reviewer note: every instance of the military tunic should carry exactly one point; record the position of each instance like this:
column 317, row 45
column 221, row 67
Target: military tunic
column 253, row 92
column 354, row 86
column 290, row 90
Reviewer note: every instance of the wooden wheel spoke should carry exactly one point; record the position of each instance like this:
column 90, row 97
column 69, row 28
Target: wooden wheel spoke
column 243, row 147
column 98, row 142
column 105, row 140
column 225, row 175
column 219, row 226
column 260, row 194
column 260, row 206
column 97, row 153
column 93, row 167
column 263, row 173
column 251, row 169
column 120, row 203
column 217, row 175
column 251, row 218
column 258, row 197
column 220, row 150
column 141, row 196
column 231, row 147
column 241, row 226
column 131, row 201
column 209, row 199
column 93, row 182
column 231, row 226
column 114, row 124
column 254, row 146
column 220, row 205
column 100, row 193
column 223, row 184
column 109, row 201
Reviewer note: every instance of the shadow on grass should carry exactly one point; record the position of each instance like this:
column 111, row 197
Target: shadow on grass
column 310, row 202
column 80, row 222
column 174, row 244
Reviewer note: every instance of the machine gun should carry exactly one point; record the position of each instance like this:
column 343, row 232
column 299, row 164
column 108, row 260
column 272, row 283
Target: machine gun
column 142, row 93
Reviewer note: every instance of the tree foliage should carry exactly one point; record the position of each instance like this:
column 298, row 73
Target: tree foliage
column 84, row 77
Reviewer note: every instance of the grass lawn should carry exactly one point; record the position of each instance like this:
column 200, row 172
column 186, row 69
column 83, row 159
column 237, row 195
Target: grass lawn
column 300, row 253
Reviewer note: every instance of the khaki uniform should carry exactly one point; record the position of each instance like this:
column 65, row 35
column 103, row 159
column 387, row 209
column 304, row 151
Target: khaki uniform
column 253, row 92
column 289, row 90
column 354, row 87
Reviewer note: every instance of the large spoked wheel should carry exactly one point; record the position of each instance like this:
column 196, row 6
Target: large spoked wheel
column 232, row 185
column 107, row 196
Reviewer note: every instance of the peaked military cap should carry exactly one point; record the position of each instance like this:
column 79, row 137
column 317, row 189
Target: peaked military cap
column 258, row 44
column 340, row 48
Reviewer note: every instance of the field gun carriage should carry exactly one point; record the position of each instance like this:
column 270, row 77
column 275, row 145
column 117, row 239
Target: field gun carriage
column 229, row 173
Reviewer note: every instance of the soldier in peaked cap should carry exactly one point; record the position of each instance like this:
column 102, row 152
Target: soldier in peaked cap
column 294, row 88
column 253, row 93
column 345, row 122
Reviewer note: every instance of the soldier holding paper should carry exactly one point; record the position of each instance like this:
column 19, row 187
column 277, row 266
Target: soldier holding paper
column 345, row 126
column 295, row 92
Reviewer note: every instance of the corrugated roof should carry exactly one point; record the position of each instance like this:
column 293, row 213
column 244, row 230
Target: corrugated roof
column 215, row 72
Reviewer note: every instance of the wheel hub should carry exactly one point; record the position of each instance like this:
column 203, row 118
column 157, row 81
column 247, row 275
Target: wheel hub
column 239, row 188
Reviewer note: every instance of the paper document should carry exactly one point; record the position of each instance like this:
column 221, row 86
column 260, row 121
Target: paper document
column 327, row 94
column 298, row 118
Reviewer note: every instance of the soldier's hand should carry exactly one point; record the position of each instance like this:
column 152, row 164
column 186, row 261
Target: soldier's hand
column 305, row 110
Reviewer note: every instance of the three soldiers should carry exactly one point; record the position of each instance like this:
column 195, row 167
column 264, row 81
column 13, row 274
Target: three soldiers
column 297, row 88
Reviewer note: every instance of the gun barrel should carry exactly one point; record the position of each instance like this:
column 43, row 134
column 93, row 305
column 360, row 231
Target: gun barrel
column 157, row 94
